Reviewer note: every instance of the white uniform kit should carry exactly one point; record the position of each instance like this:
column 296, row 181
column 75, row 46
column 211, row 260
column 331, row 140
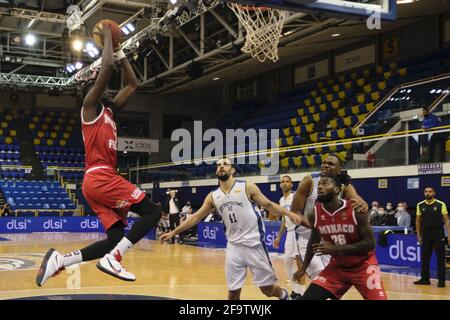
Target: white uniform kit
column 290, row 246
column 318, row 263
column 244, row 229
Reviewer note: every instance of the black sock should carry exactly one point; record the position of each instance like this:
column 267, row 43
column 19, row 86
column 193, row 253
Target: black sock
column 150, row 215
column 100, row 248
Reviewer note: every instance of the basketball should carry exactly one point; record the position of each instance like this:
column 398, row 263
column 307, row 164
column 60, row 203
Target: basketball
column 98, row 32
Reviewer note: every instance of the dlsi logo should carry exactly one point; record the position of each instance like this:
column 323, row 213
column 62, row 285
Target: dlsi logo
column 270, row 238
column 210, row 232
column 54, row 224
column 18, row 225
column 89, row 224
column 409, row 253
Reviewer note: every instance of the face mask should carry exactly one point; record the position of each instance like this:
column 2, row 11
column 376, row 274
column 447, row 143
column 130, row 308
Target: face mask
column 380, row 212
column 389, row 208
column 400, row 209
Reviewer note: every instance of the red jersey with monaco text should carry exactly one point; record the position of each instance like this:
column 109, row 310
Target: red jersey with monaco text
column 100, row 140
column 340, row 228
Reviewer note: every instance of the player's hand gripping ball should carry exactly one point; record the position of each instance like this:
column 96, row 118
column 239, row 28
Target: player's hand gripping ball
column 98, row 33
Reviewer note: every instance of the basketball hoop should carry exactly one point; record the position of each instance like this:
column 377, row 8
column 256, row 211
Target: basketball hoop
column 74, row 17
column 263, row 26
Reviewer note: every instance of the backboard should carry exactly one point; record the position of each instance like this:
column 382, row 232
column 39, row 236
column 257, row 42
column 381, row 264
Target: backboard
column 342, row 8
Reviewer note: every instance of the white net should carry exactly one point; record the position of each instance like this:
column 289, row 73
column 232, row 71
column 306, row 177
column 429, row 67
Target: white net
column 263, row 26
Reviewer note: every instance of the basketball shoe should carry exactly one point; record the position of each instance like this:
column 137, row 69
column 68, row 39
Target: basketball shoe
column 111, row 265
column 51, row 266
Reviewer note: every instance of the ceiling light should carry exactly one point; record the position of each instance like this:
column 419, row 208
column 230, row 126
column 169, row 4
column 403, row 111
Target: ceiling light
column 30, row 39
column 130, row 27
column 173, row 1
column 433, row 91
column 78, row 65
column 91, row 54
column 77, row 45
column 438, row 91
column 335, row 34
column 89, row 46
column 70, row 68
column 216, row 78
column 405, row 1
column 125, row 30
column 32, row 21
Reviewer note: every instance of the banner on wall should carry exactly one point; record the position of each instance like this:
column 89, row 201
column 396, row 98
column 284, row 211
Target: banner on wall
column 138, row 145
column 57, row 224
column 213, row 232
column 402, row 250
column 311, row 71
column 354, row 59
column 430, row 168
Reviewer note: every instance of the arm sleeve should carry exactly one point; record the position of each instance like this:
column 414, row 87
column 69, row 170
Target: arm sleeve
column 444, row 209
column 418, row 213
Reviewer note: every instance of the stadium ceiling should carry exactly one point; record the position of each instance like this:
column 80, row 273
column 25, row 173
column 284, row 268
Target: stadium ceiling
column 170, row 40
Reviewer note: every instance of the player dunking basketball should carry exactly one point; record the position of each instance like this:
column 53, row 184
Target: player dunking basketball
column 236, row 202
column 346, row 236
column 108, row 194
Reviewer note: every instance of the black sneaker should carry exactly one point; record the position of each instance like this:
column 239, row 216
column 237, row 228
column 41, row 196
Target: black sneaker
column 422, row 282
column 294, row 295
column 441, row 284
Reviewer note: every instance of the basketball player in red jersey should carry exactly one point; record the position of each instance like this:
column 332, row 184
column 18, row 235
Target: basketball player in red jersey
column 108, row 194
column 348, row 238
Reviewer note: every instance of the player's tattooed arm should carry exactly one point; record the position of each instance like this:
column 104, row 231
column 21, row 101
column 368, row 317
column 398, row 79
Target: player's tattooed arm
column 101, row 83
column 194, row 219
column 299, row 199
column 256, row 195
column 366, row 243
column 359, row 205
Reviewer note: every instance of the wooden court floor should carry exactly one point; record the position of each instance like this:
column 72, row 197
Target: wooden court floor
column 162, row 271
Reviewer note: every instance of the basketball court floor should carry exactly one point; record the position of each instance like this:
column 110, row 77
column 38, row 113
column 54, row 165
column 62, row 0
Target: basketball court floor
column 168, row 271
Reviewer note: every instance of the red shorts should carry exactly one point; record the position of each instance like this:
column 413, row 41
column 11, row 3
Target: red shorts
column 366, row 279
column 110, row 195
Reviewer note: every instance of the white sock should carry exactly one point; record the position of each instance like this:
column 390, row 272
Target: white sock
column 71, row 258
column 291, row 268
column 120, row 249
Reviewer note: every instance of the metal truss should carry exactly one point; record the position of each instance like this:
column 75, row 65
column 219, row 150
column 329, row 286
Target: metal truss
column 33, row 14
column 27, row 80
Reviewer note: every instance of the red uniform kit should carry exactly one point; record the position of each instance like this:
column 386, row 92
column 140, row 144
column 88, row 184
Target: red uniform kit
column 108, row 194
column 343, row 271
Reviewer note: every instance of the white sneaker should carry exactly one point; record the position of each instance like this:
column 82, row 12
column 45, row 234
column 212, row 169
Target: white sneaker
column 111, row 266
column 51, row 266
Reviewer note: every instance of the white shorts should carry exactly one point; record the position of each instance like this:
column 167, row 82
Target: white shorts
column 318, row 263
column 290, row 246
column 239, row 258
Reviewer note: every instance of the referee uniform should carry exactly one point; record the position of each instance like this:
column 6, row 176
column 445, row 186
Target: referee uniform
column 430, row 217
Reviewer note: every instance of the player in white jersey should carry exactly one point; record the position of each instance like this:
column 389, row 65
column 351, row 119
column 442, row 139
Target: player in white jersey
column 236, row 202
column 304, row 201
column 291, row 254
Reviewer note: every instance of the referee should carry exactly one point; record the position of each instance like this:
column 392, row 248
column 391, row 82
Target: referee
column 430, row 218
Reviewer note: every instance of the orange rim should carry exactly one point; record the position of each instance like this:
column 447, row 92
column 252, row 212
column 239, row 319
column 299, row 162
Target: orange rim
column 249, row 8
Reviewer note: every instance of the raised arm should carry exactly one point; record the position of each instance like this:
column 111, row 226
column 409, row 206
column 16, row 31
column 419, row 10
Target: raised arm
column 256, row 195
column 192, row 220
column 300, row 196
column 359, row 205
column 92, row 99
column 124, row 95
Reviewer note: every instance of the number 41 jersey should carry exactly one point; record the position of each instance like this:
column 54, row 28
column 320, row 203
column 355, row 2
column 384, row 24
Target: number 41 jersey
column 340, row 228
column 241, row 217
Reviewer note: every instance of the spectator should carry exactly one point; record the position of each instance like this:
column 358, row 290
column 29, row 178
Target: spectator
column 403, row 217
column 390, row 219
column 186, row 210
column 172, row 207
column 6, row 211
column 431, row 121
column 373, row 213
column 381, row 217
column 164, row 224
